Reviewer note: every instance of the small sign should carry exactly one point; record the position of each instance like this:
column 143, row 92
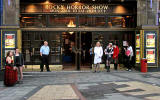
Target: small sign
column 124, row 43
column 9, row 40
column 150, row 55
column 150, row 40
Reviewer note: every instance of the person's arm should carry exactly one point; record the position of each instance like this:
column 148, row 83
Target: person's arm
column 14, row 57
column 22, row 59
column 49, row 50
column 41, row 51
column 101, row 52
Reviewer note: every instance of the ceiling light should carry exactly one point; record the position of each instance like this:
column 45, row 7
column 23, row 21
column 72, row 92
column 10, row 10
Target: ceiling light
column 122, row 0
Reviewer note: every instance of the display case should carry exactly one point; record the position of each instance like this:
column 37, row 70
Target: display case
column 150, row 47
column 138, row 45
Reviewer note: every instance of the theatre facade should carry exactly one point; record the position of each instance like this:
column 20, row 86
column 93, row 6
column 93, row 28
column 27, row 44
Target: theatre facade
column 72, row 27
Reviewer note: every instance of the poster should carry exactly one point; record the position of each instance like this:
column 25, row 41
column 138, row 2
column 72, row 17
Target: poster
column 9, row 40
column 124, row 43
column 150, row 55
column 137, row 56
column 150, row 40
column 137, row 40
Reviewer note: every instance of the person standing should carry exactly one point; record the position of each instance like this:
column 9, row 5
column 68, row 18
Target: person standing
column 108, row 52
column 44, row 53
column 98, row 53
column 10, row 77
column 91, row 52
column 115, row 56
column 129, row 55
column 19, row 63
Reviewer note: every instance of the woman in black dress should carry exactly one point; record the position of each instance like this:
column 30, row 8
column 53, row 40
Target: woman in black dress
column 19, row 63
column 108, row 52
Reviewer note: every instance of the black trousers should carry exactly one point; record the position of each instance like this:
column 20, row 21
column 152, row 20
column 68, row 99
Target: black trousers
column 128, row 62
column 45, row 61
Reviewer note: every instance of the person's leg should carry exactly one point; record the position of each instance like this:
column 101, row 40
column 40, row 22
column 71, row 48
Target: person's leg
column 115, row 64
column 108, row 66
column 95, row 66
column 128, row 63
column 109, row 61
column 42, row 63
column 21, row 73
column 98, row 67
column 47, row 63
column 19, row 77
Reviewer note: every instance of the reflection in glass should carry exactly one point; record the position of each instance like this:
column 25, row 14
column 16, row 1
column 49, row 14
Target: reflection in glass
column 33, row 21
column 62, row 21
column 92, row 21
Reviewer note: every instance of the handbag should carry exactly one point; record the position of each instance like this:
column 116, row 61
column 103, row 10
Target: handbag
column 128, row 52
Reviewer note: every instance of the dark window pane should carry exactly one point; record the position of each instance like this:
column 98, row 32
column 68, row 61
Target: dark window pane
column 33, row 21
column 92, row 21
column 62, row 21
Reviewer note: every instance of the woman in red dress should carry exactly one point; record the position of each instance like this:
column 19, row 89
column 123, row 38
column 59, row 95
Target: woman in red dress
column 115, row 56
column 10, row 71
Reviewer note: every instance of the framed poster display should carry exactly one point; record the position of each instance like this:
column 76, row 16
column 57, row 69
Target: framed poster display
column 137, row 40
column 9, row 40
column 150, row 55
column 150, row 40
column 137, row 56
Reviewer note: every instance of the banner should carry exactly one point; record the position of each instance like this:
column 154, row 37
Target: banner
column 150, row 40
column 137, row 56
column 150, row 55
column 137, row 40
column 9, row 40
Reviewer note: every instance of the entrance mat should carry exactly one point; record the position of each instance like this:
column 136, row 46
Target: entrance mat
column 57, row 92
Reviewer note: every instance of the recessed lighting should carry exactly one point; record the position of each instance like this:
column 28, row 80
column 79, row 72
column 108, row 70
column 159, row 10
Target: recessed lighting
column 93, row 0
column 122, row 0
column 63, row 0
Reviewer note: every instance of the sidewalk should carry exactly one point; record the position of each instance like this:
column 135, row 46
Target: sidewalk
column 74, row 85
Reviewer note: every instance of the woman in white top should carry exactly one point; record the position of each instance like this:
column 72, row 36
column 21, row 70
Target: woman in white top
column 129, row 55
column 98, row 53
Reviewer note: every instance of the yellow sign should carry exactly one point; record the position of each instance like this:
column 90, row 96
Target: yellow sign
column 150, row 40
column 137, row 40
column 9, row 40
column 150, row 55
column 137, row 56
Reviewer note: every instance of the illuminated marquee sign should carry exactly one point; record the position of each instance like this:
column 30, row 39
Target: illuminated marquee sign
column 62, row 8
column 75, row 8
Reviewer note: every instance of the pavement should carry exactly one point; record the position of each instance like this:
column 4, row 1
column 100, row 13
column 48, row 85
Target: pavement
column 85, row 85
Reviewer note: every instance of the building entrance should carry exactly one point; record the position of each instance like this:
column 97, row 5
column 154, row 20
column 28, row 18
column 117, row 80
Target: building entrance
column 72, row 49
column 76, row 47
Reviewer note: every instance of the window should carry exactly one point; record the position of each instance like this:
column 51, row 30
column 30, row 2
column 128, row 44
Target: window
column 92, row 21
column 33, row 21
column 62, row 21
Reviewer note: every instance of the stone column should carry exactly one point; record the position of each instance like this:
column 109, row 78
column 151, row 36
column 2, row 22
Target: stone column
column 147, row 12
column 9, row 25
column 10, row 13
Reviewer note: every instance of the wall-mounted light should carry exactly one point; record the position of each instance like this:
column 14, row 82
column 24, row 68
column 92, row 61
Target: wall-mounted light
column 47, row 2
column 71, row 24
